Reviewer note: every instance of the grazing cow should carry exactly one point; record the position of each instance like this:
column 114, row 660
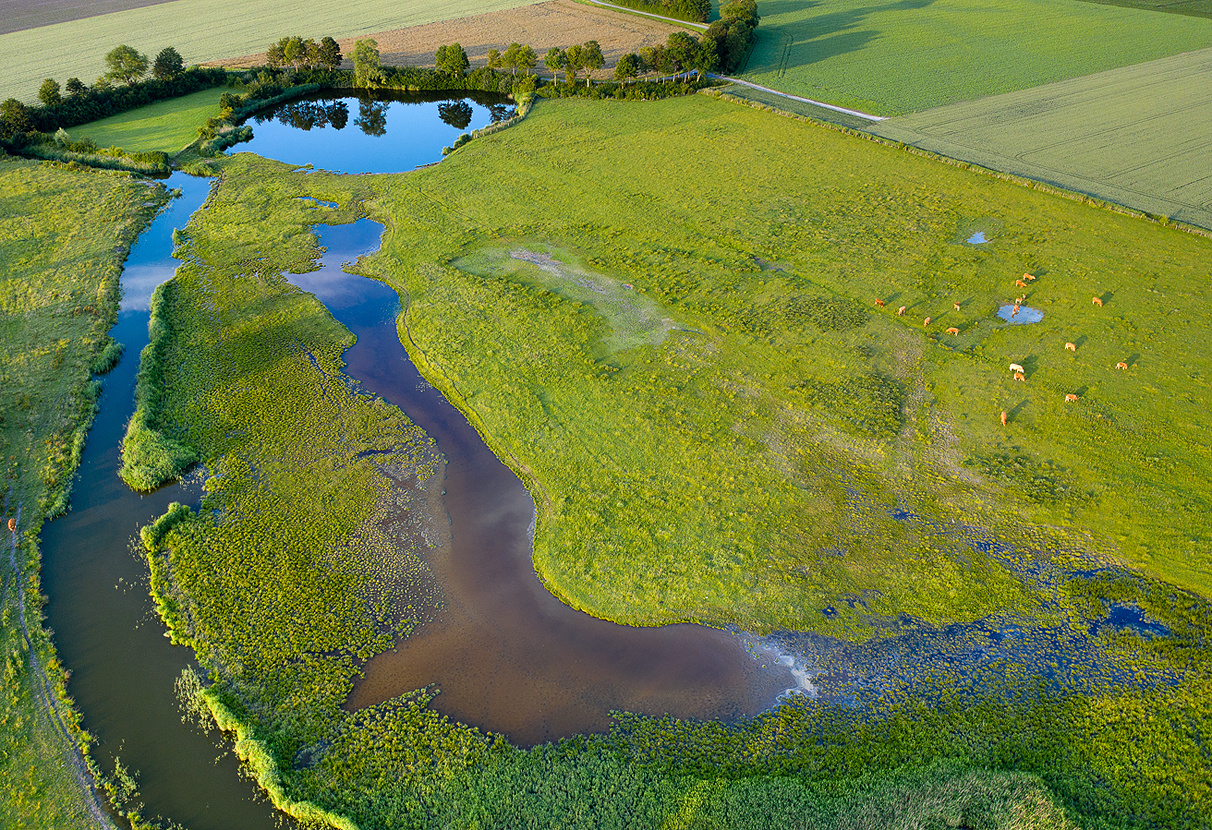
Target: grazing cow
column 926, row 322
column 1020, row 283
column 957, row 306
column 1123, row 366
column 879, row 303
column 953, row 330
column 1020, row 376
column 1071, row 347
column 1014, row 311
column 1028, row 277
column 900, row 311
column 12, row 525
column 1014, row 367
column 1070, row 398
column 1020, row 300
column 1003, row 417
column 1098, row 302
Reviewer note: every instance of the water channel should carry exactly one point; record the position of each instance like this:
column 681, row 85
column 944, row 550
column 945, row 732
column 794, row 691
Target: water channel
column 507, row 655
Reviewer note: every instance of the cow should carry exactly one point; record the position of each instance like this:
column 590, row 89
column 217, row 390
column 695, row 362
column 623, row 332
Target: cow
column 900, row 311
column 957, row 306
column 926, row 322
column 1070, row 398
column 1028, row 277
column 1071, row 347
column 880, row 303
column 1003, row 417
column 1020, row 376
column 1098, row 302
column 1014, row 367
column 952, row 330
column 1123, row 366
column 1014, row 311
column 1020, row 284
column 12, row 525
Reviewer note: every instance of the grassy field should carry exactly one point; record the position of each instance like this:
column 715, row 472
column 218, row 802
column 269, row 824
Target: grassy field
column 63, row 236
column 1194, row 8
column 899, row 57
column 201, row 30
column 717, row 423
column 165, row 125
column 1135, row 135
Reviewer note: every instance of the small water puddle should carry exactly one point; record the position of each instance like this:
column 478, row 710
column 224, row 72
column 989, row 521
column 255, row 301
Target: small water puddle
column 1025, row 314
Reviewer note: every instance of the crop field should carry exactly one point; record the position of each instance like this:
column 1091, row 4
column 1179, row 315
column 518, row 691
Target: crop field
column 542, row 25
column 897, row 57
column 1136, row 136
column 718, row 423
column 77, row 48
column 165, row 125
column 63, row 236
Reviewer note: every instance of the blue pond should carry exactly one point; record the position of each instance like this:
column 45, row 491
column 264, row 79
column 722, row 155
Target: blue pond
column 977, row 238
column 369, row 134
column 1026, row 314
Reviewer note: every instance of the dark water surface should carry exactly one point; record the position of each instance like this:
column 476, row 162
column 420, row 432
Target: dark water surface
column 506, row 654
column 380, row 133
column 105, row 624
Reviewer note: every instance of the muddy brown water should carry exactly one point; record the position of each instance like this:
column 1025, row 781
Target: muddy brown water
column 505, row 654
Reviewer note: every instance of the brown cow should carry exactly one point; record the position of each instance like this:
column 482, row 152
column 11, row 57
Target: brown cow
column 953, row 330
column 957, row 306
column 1071, row 347
column 1070, row 398
column 926, row 322
column 880, row 303
column 1098, row 302
column 1003, row 417
column 1123, row 366
column 12, row 525
column 1014, row 311
column 1028, row 277
column 1020, row 376
column 900, row 311
column 1020, row 283
column 1020, row 300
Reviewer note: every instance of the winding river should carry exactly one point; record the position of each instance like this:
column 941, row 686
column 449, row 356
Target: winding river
column 506, row 654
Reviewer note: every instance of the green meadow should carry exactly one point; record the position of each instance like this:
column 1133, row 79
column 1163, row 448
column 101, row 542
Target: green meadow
column 907, row 55
column 202, row 30
column 686, row 364
column 1135, row 135
column 63, row 236
column 167, row 126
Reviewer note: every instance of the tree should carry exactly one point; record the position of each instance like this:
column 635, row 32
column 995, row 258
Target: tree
column 125, row 64
column 681, row 51
column 274, row 54
column 573, row 61
column 330, row 53
column 627, row 67
column 168, row 64
column 591, row 58
column 652, row 58
column 48, row 93
column 367, row 72
column 494, row 58
column 555, row 60
column 452, row 60
column 294, row 52
column 527, row 59
column 75, row 86
column 14, row 118
column 311, row 52
column 510, row 59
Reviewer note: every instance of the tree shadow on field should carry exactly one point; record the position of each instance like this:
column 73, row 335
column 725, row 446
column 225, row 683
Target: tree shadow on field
column 818, row 37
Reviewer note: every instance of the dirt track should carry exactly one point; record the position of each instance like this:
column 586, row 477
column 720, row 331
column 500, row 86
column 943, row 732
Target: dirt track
column 556, row 23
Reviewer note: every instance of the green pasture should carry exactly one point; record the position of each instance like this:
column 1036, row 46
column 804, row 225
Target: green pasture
column 63, row 236
column 202, row 30
column 906, row 55
column 1135, row 136
column 1194, row 8
column 686, row 364
column 165, row 125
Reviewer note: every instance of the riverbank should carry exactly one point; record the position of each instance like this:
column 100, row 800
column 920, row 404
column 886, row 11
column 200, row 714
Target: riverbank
column 65, row 235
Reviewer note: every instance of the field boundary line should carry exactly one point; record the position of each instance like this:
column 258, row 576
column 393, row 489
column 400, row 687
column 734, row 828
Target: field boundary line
column 605, row 5
column 1014, row 178
column 864, row 115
